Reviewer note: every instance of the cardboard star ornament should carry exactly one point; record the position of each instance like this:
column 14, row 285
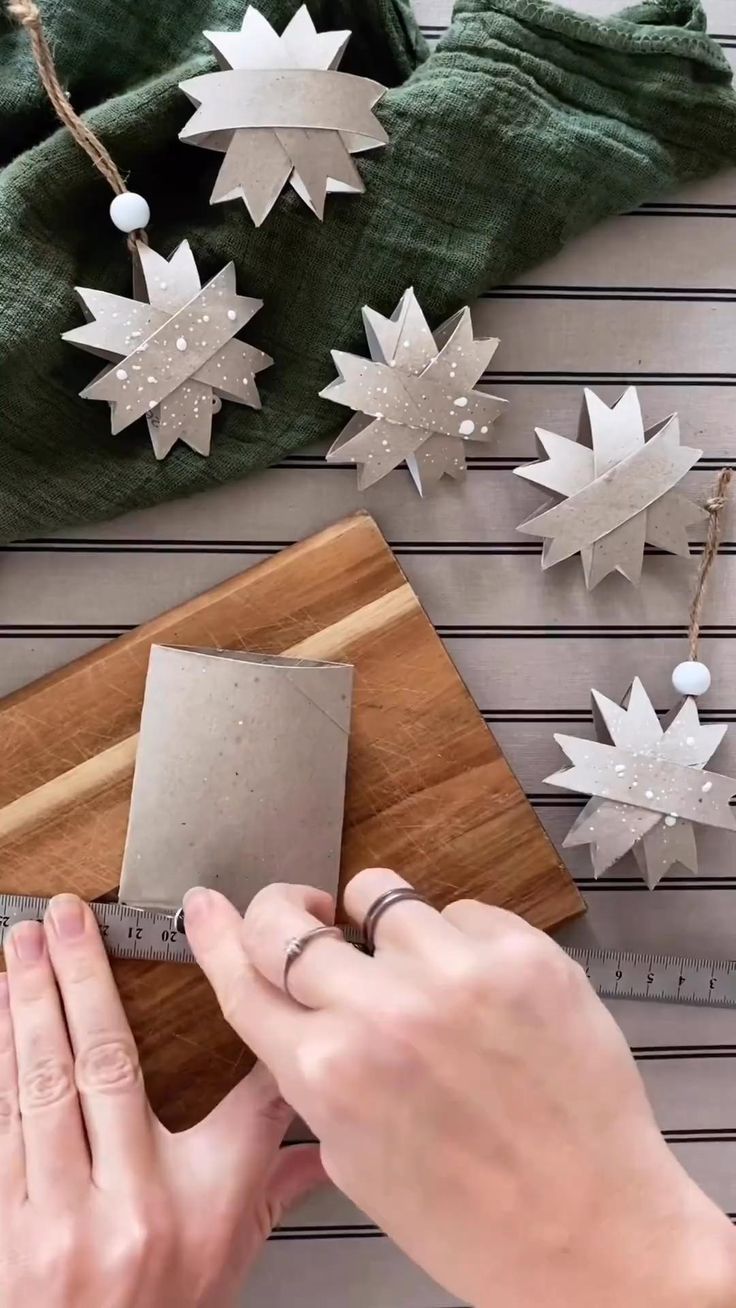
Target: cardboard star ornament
column 176, row 356
column 282, row 112
column 414, row 398
column 648, row 782
column 615, row 489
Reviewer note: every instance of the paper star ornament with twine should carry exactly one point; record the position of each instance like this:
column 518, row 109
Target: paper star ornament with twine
column 175, row 357
column 414, row 397
column 648, row 784
column 281, row 112
column 616, row 483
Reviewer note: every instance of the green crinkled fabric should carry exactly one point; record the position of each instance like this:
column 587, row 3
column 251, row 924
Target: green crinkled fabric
column 525, row 126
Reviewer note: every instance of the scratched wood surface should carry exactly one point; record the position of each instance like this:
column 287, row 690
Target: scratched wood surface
column 428, row 791
column 648, row 298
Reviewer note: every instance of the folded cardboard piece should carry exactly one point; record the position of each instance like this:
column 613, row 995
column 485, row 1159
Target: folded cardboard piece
column 281, row 112
column 239, row 777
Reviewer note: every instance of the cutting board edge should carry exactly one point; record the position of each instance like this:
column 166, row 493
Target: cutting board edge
column 146, row 630
column 555, row 856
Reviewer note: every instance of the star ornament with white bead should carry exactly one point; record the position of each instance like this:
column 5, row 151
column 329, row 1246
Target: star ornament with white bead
column 615, row 489
column 414, row 397
column 281, row 112
column 175, row 357
column 648, row 784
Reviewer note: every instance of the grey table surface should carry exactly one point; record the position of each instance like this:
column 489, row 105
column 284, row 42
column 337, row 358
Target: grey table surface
column 648, row 298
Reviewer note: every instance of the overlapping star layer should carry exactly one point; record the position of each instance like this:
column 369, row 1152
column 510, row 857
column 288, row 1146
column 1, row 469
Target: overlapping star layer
column 175, row 357
column 648, row 784
column 617, row 487
column 414, row 397
column 281, row 112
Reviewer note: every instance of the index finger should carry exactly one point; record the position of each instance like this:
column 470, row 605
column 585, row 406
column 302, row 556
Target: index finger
column 265, row 1019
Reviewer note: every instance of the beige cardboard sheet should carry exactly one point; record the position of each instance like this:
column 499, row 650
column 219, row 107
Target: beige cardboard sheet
column 641, row 299
column 225, row 787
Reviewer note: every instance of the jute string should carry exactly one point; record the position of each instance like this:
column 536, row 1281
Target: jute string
column 714, row 506
column 26, row 13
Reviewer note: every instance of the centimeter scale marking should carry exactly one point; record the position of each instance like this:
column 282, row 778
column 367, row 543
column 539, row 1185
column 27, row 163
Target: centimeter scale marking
column 613, row 973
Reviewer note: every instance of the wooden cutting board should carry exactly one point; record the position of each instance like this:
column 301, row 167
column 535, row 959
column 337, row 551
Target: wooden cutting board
column 429, row 792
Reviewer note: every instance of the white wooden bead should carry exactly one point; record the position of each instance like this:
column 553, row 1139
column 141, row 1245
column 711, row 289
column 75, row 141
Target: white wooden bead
column 691, row 678
column 130, row 211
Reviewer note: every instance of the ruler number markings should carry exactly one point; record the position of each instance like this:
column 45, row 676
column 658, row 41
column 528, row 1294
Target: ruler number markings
column 156, row 937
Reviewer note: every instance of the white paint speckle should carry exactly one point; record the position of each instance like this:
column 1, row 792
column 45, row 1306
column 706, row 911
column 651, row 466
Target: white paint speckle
column 670, row 821
column 121, row 374
column 707, row 785
column 649, row 794
column 467, row 427
column 232, row 315
column 181, row 343
column 461, row 401
column 151, row 380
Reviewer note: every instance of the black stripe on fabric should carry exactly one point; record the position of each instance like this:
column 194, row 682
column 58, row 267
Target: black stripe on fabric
column 521, row 377
column 549, row 717
column 327, row 1233
column 705, row 1135
column 86, row 631
column 663, row 294
column 475, row 463
column 163, row 545
column 554, row 288
column 681, row 1053
column 634, row 885
column 683, row 209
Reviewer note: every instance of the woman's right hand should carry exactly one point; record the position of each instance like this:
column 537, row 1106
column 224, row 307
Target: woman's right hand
column 473, row 1096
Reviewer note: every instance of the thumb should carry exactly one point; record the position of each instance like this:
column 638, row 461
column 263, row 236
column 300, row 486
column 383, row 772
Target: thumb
column 296, row 1173
column 238, row 1144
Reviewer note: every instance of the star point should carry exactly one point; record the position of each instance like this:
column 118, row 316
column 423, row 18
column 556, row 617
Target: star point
column 647, row 784
column 283, row 113
column 174, row 357
column 415, row 399
column 615, row 490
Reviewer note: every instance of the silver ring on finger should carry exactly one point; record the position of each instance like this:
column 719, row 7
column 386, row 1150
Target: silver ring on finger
column 295, row 948
column 381, row 906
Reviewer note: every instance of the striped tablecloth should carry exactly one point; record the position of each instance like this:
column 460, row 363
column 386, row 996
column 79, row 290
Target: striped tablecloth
column 648, row 298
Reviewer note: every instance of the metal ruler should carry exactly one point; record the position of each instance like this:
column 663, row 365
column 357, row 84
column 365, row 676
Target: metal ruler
column 127, row 932
column 613, row 973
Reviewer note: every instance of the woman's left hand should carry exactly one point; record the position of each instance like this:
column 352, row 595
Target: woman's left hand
column 99, row 1204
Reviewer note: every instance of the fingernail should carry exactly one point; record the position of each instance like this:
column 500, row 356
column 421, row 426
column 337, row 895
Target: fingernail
column 27, row 941
column 4, row 993
column 197, row 903
column 67, row 916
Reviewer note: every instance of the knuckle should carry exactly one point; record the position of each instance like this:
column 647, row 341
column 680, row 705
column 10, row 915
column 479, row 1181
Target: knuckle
column 59, row 1252
column 466, row 985
column 331, row 1072
column 145, row 1236
column 268, row 900
column 372, row 879
column 529, row 965
column 462, row 904
column 9, row 1111
column 404, row 1028
column 110, row 1064
column 82, row 965
column 46, row 1082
